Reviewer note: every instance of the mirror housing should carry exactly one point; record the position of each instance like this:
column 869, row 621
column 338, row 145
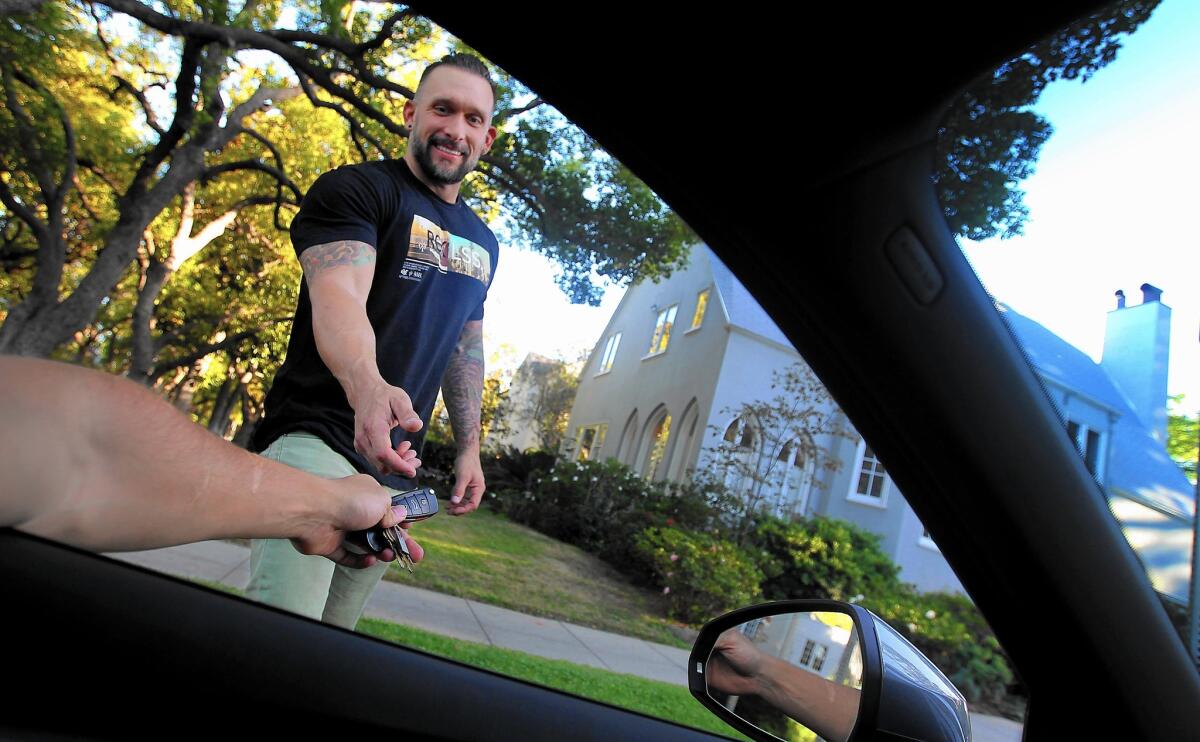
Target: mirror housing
column 899, row 693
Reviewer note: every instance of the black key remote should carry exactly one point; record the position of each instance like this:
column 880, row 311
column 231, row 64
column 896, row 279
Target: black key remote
column 420, row 504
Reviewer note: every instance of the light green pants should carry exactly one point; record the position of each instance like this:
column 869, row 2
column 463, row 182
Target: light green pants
column 312, row 586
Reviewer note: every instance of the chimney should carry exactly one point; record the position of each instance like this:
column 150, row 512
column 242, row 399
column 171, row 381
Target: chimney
column 1136, row 348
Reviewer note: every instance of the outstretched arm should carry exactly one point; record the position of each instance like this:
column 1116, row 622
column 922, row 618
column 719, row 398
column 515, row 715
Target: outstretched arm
column 462, row 391
column 339, row 276
column 102, row 463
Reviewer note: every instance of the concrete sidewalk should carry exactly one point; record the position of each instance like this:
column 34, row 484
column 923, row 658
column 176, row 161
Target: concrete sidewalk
column 229, row 564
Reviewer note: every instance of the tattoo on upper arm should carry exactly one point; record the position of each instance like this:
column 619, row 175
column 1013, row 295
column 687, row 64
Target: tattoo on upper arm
column 333, row 254
column 462, row 385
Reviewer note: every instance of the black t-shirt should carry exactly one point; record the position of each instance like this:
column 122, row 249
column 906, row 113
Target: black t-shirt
column 434, row 264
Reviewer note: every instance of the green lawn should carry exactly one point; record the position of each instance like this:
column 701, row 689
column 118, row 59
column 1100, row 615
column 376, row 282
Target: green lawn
column 650, row 697
column 485, row 557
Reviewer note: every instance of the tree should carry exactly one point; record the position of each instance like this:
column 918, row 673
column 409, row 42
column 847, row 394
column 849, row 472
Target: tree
column 990, row 140
column 772, row 451
column 540, row 396
column 1183, row 436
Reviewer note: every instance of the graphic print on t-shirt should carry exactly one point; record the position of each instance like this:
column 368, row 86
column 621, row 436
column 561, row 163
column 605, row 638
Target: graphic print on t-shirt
column 430, row 245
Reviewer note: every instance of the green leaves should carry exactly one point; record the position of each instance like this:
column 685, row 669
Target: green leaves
column 1183, row 436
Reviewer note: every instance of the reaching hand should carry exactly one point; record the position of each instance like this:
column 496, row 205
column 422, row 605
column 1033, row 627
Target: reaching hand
column 468, row 484
column 375, row 414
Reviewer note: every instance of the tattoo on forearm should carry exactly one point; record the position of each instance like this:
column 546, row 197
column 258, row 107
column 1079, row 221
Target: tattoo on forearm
column 333, row 254
column 462, row 386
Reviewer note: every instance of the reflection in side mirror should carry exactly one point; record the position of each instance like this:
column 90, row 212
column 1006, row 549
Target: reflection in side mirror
column 804, row 670
column 793, row 675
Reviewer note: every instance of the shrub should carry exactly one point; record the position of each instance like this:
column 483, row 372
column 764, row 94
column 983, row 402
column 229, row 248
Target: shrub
column 820, row 558
column 437, row 465
column 702, row 575
column 509, row 474
column 599, row 506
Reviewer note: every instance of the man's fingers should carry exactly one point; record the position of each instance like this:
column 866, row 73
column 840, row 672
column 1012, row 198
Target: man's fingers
column 414, row 549
column 458, row 490
column 395, row 514
column 402, row 409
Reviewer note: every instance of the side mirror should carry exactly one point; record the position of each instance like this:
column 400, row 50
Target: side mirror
column 801, row 670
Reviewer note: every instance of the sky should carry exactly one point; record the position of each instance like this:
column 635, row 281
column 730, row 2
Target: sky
column 1110, row 208
column 1112, row 202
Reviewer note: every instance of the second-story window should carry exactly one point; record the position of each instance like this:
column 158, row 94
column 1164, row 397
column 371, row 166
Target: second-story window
column 662, row 330
column 1089, row 442
column 701, row 306
column 610, row 352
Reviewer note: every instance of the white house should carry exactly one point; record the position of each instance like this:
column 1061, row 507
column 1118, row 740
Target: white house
column 678, row 358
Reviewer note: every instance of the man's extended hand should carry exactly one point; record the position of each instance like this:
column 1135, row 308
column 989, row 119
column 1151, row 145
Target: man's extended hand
column 468, row 483
column 376, row 411
column 358, row 503
column 735, row 665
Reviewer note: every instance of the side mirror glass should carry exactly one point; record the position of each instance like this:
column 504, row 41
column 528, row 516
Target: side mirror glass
column 807, row 670
column 796, row 675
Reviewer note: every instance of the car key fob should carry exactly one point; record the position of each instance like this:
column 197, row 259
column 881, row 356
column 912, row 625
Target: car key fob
column 419, row 504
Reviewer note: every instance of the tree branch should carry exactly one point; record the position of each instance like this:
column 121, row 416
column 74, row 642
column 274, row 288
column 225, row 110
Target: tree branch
column 257, row 165
column 505, row 115
column 59, row 193
column 23, row 212
column 255, row 102
column 190, row 358
column 356, row 129
column 185, row 112
column 122, row 83
column 195, row 32
column 26, row 133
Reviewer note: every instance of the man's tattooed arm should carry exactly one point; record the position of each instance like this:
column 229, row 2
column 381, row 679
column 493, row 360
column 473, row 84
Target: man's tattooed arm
column 462, row 386
column 334, row 254
column 339, row 276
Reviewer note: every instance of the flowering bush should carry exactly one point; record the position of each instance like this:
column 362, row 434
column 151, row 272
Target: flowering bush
column 703, row 576
column 601, row 507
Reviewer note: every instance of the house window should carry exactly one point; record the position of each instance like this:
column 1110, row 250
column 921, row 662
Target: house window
column 591, row 441
column 610, row 352
column 871, row 484
column 1090, row 444
column 792, row 479
column 814, row 655
column 662, row 330
column 658, row 447
column 927, row 541
column 739, row 454
column 701, row 306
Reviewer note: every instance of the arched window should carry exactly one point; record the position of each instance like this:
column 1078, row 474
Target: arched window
column 791, row 480
column 656, row 435
column 741, row 442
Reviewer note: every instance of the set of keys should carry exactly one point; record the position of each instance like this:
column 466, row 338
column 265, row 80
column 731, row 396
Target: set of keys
column 419, row 504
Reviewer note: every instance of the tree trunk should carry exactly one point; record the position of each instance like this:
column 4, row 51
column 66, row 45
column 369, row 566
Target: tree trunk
column 227, row 396
column 251, row 415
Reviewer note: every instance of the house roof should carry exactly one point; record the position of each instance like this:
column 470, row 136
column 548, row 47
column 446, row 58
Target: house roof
column 742, row 309
column 1139, row 467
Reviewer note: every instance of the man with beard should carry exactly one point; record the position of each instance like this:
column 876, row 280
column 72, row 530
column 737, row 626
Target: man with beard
column 396, row 270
